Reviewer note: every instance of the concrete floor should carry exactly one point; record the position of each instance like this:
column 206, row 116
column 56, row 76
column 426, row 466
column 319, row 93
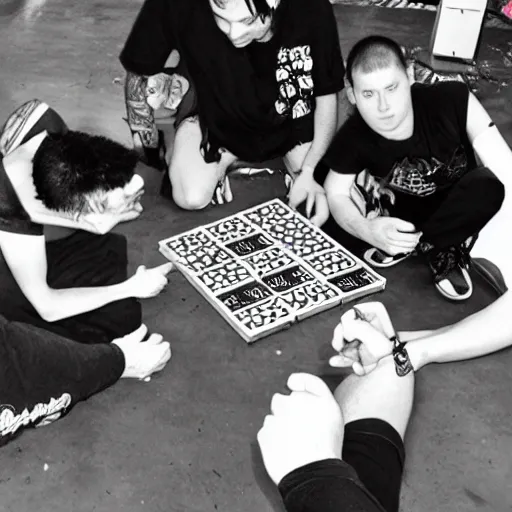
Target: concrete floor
column 186, row 441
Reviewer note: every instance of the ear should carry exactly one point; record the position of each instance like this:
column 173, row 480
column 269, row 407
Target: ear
column 350, row 95
column 410, row 73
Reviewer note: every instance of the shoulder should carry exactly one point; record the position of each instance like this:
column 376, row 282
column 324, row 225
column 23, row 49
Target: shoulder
column 441, row 92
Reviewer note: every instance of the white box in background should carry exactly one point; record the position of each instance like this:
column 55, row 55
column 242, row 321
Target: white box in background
column 457, row 28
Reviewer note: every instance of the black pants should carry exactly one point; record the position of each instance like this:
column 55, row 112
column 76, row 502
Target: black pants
column 465, row 209
column 445, row 219
column 450, row 217
column 78, row 261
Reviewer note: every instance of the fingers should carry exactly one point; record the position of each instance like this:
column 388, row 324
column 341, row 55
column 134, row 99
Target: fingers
column 128, row 215
column 228, row 194
column 310, row 202
column 341, row 361
column 404, row 239
column 154, row 339
column 308, row 383
column 137, row 335
column 377, row 314
column 321, row 210
column 164, row 269
column 403, row 225
column 355, row 329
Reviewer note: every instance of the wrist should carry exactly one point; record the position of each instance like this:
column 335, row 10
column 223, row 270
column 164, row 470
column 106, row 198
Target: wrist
column 307, row 170
column 122, row 290
column 403, row 364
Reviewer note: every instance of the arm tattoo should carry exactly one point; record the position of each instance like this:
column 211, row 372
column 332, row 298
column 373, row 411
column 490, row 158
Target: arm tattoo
column 140, row 114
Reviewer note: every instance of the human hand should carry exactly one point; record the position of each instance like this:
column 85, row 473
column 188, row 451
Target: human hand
column 392, row 235
column 101, row 223
column 146, row 283
column 363, row 338
column 305, row 189
column 304, row 427
column 143, row 358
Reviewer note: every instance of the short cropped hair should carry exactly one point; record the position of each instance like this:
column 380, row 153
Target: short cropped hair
column 373, row 53
column 69, row 166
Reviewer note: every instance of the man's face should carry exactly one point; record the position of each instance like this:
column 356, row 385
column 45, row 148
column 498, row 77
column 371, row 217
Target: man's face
column 122, row 198
column 239, row 25
column 383, row 98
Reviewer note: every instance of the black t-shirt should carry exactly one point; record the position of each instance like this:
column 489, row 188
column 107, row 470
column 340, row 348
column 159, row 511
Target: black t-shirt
column 422, row 167
column 254, row 101
column 13, row 217
column 326, row 486
column 42, row 375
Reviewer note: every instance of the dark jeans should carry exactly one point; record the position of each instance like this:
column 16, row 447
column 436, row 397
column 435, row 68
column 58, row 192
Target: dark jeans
column 464, row 209
column 79, row 260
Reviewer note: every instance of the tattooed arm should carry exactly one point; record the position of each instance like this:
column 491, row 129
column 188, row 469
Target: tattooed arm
column 142, row 120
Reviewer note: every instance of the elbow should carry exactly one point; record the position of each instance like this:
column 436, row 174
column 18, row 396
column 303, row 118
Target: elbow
column 47, row 309
column 49, row 315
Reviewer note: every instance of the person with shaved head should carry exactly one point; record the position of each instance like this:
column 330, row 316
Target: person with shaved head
column 404, row 175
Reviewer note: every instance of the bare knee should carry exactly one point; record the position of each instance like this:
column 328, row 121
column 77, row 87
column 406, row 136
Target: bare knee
column 190, row 196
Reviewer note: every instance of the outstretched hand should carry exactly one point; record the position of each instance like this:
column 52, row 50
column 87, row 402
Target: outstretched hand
column 147, row 283
column 304, row 427
column 143, row 358
column 363, row 338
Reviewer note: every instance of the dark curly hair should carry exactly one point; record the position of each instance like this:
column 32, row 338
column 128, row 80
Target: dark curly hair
column 69, row 166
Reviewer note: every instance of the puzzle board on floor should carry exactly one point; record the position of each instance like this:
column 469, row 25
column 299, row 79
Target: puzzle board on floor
column 267, row 267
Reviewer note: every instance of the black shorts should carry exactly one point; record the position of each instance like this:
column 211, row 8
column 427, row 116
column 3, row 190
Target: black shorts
column 376, row 451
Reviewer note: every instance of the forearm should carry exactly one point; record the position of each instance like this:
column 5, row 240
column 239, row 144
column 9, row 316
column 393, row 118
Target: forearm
column 495, row 154
column 347, row 215
column 325, row 121
column 484, row 332
column 68, row 302
column 140, row 115
column 326, row 486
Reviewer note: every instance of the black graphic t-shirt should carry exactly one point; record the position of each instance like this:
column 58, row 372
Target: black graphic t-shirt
column 256, row 101
column 409, row 175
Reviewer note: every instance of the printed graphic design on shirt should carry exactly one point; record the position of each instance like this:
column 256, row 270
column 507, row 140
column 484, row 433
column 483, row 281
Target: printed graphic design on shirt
column 41, row 415
column 371, row 196
column 422, row 177
column 295, row 80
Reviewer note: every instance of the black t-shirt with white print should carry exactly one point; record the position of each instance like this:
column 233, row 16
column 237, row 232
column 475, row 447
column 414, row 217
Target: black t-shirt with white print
column 256, row 101
column 414, row 173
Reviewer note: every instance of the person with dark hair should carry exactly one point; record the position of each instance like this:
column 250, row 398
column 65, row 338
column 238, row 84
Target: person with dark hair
column 264, row 77
column 73, row 283
column 403, row 172
column 43, row 375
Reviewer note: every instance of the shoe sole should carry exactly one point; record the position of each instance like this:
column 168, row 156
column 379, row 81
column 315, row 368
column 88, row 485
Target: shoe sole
column 368, row 259
column 458, row 298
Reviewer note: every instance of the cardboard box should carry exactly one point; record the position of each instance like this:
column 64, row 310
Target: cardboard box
column 457, row 29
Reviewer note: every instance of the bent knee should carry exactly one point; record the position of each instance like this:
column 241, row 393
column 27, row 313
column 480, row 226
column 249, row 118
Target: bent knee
column 190, row 194
column 493, row 191
column 191, row 199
